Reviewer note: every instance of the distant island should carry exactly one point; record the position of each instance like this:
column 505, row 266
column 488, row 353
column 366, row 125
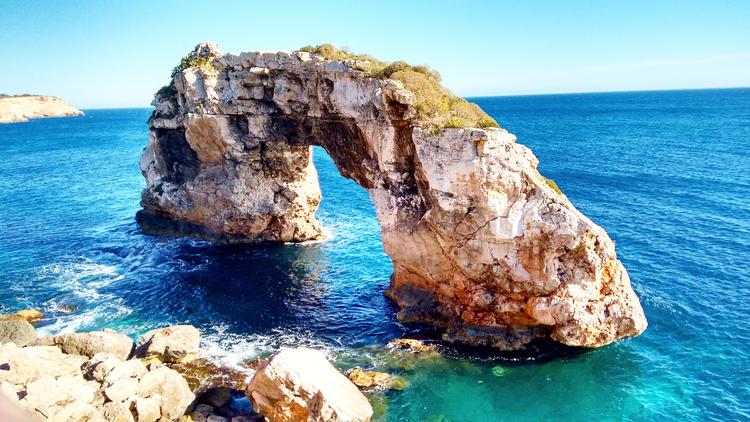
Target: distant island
column 21, row 108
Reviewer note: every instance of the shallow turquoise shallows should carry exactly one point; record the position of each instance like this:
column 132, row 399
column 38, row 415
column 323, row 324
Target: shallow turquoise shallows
column 667, row 174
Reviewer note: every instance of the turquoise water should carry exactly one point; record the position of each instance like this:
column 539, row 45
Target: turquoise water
column 665, row 173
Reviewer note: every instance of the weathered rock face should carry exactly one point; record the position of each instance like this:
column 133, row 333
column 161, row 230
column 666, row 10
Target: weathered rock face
column 89, row 344
column 170, row 344
column 481, row 244
column 16, row 329
column 301, row 385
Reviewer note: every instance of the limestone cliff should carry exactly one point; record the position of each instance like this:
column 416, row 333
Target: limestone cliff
column 481, row 244
column 22, row 108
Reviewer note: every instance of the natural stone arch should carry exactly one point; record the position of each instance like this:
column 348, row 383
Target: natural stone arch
column 481, row 244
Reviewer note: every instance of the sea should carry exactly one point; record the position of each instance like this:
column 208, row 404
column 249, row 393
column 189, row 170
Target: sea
column 666, row 173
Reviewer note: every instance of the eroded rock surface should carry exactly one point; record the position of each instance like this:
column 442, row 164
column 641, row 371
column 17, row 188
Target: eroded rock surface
column 301, row 385
column 481, row 244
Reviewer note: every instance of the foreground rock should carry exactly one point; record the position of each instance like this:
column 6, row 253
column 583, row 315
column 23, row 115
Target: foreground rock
column 412, row 345
column 89, row 344
column 31, row 315
column 177, row 343
column 22, row 108
column 16, row 329
column 481, row 243
column 300, row 384
column 88, row 376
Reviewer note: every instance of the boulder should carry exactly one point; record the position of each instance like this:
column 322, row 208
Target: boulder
column 78, row 412
column 50, row 396
column 178, row 343
column 89, row 344
column 122, row 389
column 17, row 330
column 300, row 384
column 19, row 366
column 47, row 340
column 117, row 412
column 169, row 388
column 30, row 315
column 99, row 366
column 133, row 368
column 148, row 409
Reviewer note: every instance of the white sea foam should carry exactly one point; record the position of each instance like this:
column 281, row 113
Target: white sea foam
column 231, row 349
column 83, row 280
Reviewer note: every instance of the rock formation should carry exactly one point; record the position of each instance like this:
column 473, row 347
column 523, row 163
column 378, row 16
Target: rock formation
column 21, row 108
column 95, row 376
column 481, row 243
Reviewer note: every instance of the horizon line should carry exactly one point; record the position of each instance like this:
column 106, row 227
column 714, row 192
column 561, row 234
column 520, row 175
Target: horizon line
column 514, row 95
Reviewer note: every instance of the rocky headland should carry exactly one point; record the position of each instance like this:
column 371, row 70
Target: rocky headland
column 21, row 108
column 106, row 376
column 483, row 246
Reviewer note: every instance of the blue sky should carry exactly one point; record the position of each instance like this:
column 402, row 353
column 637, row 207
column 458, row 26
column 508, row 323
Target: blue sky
column 117, row 54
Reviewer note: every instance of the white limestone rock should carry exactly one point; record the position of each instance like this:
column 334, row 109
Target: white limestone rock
column 91, row 343
column 176, row 343
column 300, row 384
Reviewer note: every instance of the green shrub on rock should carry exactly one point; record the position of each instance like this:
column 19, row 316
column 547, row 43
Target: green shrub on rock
column 436, row 107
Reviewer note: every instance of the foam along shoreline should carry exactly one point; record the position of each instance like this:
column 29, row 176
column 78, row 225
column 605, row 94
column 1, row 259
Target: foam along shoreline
column 14, row 109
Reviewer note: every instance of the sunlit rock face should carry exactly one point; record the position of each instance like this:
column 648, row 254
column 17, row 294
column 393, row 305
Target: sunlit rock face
column 481, row 245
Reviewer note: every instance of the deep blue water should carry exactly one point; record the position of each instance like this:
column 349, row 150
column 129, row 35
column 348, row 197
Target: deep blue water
column 665, row 173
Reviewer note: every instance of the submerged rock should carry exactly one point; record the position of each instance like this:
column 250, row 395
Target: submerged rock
column 369, row 379
column 411, row 345
column 373, row 379
column 481, row 244
column 17, row 330
column 300, row 384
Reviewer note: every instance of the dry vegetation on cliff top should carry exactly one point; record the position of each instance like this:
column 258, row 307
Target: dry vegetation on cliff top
column 434, row 105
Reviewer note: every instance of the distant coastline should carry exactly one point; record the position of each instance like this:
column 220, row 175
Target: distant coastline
column 21, row 108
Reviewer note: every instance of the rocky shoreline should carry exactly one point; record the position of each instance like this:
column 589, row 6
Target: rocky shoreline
column 106, row 376
column 21, row 108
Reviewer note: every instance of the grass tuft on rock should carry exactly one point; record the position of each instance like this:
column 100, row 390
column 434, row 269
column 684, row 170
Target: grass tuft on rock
column 203, row 63
column 435, row 106
column 551, row 183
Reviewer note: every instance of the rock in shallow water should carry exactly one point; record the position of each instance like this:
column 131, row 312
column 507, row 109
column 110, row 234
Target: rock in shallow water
column 481, row 244
column 300, row 384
